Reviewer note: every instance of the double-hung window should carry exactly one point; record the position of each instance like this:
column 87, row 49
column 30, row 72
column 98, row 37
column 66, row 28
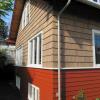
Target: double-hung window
column 96, row 46
column 35, row 51
column 19, row 56
column 26, row 14
column 33, row 92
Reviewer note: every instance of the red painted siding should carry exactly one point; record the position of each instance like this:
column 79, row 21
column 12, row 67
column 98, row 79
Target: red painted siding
column 44, row 79
column 72, row 82
column 87, row 80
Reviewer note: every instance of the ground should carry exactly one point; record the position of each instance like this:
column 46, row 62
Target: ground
column 9, row 92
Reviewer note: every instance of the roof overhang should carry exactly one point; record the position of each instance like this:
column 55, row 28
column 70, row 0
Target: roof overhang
column 18, row 8
column 91, row 3
column 17, row 13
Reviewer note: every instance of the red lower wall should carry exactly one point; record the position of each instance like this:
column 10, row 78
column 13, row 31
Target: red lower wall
column 72, row 82
column 86, row 80
column 42, row 78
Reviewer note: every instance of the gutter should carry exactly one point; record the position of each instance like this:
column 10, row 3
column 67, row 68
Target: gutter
column 59, row 51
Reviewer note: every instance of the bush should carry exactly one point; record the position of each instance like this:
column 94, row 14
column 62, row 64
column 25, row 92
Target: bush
column 3, row 58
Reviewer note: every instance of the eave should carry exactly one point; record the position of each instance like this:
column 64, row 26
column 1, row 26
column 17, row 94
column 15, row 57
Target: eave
column 91, row 3
column 17, row 13
column 18, row 8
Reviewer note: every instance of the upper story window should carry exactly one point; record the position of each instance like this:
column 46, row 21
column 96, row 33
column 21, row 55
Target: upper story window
column 97, row 1
column 96, row 39
column 34, row 52
column 26, row 14
column 19, row 56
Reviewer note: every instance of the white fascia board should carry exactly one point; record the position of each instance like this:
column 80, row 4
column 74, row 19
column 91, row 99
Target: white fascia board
column 91, row 2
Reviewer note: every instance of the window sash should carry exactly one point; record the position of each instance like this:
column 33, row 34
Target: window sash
column 19, row 56
column 26, row 14
column 97, row 1
column 35, row 56
column 33, row 92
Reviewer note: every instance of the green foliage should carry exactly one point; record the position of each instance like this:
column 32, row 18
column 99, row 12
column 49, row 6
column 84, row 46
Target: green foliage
column 81, row 95
column 3, row 30
column 97, row 98
column 5, row 6
column 3, row 58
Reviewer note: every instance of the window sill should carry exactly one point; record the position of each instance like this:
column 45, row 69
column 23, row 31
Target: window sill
column 34, row 65
column 97, row 66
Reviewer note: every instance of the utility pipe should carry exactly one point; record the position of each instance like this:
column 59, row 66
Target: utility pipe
column 59, row 51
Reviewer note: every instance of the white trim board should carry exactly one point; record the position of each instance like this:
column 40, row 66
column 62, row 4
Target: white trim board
column 93, row 43
column 65, row 68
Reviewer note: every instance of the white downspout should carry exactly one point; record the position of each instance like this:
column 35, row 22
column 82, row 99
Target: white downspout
column 59, row 51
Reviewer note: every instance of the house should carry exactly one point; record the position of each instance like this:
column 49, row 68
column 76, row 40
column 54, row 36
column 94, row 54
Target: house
column 52, row 66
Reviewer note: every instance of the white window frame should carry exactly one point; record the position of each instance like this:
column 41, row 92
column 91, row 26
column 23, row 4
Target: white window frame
column 21, row 55
column 18, row 80
column 26, row 11
column 35, row 65
column 93, row 39
column 35, row 92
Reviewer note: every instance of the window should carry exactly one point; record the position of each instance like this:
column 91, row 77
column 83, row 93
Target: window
column 26, row 14
column 19, row 56
column 33, row 92
column 97, row 1
column 35, row 50
column 96, row 43
column 18, row 82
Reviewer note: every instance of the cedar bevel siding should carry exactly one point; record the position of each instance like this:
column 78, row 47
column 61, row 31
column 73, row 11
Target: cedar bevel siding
column 41, row 19
column 77, row 23
column 76, row 34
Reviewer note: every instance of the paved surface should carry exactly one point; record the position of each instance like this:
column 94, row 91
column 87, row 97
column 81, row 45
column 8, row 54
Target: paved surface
column 9, row 92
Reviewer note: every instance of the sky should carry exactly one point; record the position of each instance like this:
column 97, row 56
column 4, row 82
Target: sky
column 8, row 18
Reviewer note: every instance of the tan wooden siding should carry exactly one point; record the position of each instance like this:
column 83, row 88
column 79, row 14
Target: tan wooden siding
column 41, row 19
column 76, row 36
column 76, row 41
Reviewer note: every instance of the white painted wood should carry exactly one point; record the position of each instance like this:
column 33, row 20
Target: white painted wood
column 38, row 49
column 36, row 37
column 18, row 80
column 93, row 39
column 33, row 92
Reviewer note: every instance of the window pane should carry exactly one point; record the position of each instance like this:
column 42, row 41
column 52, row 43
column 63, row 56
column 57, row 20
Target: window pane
column 31, row 51
column 19, row 56
column 95, row 0
column 97, row 48
column 35, row 50
column 40, row 51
